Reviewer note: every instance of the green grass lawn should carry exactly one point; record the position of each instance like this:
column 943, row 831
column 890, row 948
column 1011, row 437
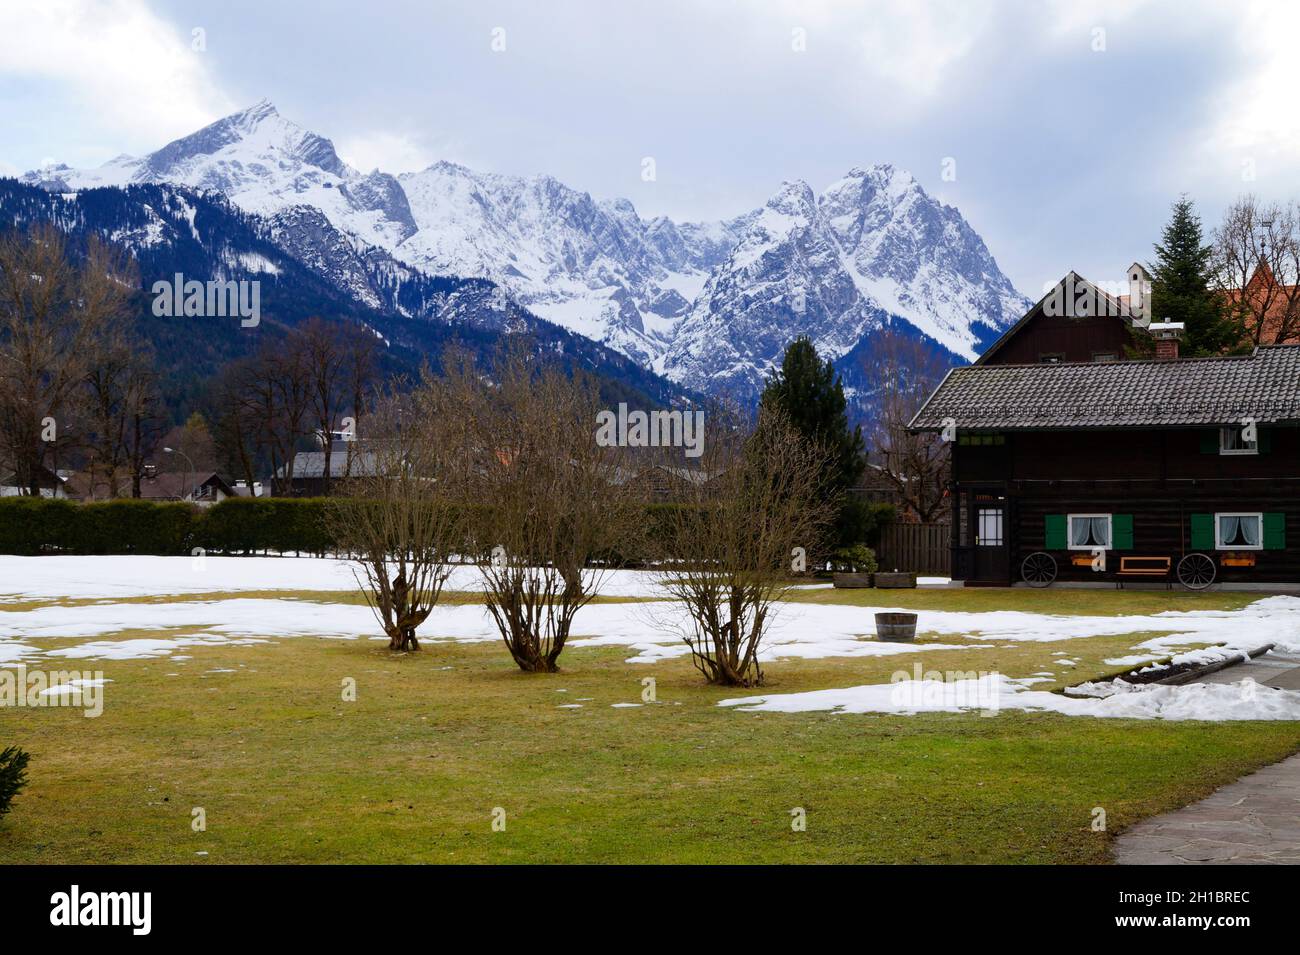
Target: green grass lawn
column 413, row 770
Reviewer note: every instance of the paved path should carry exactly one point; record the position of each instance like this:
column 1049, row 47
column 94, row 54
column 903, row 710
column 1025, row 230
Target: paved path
column 1272, row 669
column 1254, row 821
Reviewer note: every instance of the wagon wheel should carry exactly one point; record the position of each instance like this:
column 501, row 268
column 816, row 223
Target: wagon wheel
column 1196, row 571
column 1038, row 569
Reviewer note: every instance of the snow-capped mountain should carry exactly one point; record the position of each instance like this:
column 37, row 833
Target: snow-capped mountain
column 304, row 268
column 594, row 267
column 836, row 267
column 264, row 164
column 709, row 305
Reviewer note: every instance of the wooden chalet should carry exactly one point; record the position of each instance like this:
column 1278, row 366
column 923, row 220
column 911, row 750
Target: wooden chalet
column 1072, row 463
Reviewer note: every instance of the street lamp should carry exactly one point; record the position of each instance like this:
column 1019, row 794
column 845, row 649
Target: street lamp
column 189, row 464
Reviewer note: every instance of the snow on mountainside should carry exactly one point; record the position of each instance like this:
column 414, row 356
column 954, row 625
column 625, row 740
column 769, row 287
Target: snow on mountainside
column 835, row 267
column 594, row 267
column 263, row 163
column 709, row 305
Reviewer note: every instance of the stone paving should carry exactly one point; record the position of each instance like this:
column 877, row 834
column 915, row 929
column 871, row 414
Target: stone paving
column 1254, row 821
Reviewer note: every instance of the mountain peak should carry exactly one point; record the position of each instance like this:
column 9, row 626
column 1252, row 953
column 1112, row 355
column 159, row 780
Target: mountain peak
column 442, row 166
column 258, row 131
column 884, row 177
column 254, row 115
column 793, row 193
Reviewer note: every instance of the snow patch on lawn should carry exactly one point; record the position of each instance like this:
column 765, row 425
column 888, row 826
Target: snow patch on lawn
column 995, row 692
column 651, row 630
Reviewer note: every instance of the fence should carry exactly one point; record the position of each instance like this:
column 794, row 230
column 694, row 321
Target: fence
column 921, row 548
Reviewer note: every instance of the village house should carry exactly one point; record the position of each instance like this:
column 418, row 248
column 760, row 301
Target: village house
column 198, row 487
column 1071, row 463
column 49, row 484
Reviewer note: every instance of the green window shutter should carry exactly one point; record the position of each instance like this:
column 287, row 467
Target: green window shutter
column 1054, row 533
column 1210, row 442
column 1121, row 529
column 1275, row 531
column 1265, row 440
column 1202, row 532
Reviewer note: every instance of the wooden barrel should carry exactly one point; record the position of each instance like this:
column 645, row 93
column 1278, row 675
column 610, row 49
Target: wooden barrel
column 896, row 627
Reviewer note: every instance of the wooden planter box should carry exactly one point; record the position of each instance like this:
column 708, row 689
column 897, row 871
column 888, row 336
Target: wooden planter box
column 895, row 580
column 851, row 581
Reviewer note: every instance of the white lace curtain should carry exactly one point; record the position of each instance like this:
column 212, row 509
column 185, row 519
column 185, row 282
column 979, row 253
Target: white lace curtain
column 1090, row 532
column 1239, row 530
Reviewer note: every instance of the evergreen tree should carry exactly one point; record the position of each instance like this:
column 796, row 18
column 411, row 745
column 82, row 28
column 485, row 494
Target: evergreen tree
column 1180, row 286
column 811, row 395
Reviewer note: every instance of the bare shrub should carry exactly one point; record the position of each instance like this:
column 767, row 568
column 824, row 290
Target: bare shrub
column 551, row 513
column 401, row 522
column 728, row 544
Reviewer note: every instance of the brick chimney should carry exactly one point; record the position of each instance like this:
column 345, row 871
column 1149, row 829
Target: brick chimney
column 1167, row 336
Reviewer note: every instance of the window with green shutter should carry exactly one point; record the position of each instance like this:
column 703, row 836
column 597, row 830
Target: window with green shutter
column 1122, row 531
column 1275, row 531
column 1202, row 531
column 1054, row 532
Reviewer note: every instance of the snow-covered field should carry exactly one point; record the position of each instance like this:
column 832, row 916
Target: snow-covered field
column 651, row 630
column 57, row 578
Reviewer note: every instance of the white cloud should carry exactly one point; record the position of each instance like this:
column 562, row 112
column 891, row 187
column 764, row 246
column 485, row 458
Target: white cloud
column 124, row 68
column 392, row 152
column 912, row 46
column 1256, row 125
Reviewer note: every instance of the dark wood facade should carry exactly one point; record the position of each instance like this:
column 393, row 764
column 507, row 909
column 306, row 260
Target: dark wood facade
column 1061, row 338
column 1074, row 322
column 1161, row 488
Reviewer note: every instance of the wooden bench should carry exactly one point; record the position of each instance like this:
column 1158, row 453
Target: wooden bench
column 1238, row 560
column 1145, row 566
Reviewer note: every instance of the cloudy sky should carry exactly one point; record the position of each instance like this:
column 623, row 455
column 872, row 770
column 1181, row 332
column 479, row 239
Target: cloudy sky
column 1070, row 126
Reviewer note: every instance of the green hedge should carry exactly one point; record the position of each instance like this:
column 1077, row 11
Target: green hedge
column 37, row 525
column 246, row 524
column 235, row 526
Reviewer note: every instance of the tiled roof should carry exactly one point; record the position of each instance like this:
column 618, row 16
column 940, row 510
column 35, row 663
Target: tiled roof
column 1276, row 300
column 1264, row 386
column 161, row 486
column 311, row 464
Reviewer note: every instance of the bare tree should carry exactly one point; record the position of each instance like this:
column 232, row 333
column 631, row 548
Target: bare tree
column 552, row 512
column 55, row 316
column 238, row 433
column 274, row 393
column 915, row 465
column 144, row 419
column 324, row 356
column 729, row 543
column 361, row 346
column 126, row 416
column 106, row 462
column 195, row 444
column 1257, row 269
column 401, row 522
